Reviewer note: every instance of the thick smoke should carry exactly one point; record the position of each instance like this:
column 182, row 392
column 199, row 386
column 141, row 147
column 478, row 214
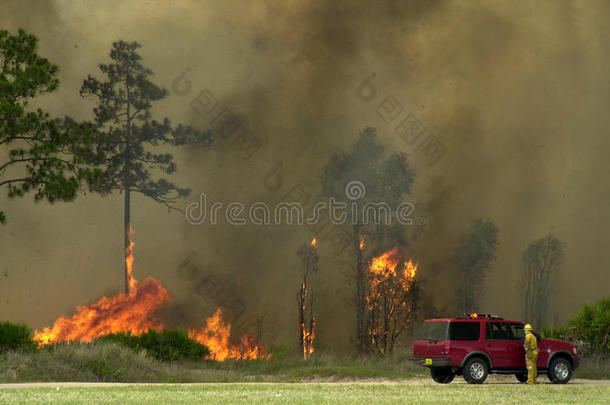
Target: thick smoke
column 515, row 92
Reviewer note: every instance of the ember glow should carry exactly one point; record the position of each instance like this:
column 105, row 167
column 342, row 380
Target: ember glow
column 216, row 336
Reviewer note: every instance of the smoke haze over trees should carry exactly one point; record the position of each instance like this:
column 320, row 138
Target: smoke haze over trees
column 473, row 258
column 539, row 273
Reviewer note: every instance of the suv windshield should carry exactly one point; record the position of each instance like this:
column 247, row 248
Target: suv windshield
column 432, row 331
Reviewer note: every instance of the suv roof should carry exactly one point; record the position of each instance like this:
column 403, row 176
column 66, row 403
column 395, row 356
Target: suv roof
column 472, row 317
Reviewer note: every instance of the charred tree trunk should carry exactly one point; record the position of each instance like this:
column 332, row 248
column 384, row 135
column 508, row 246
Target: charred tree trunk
column 360, row 296
column 126, row 183
column 301, row 304
column 309, row 257
column 127, row 224
column 312, row 329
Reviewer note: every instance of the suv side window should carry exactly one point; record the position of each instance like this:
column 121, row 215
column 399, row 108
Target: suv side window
column 517, row 331
column 464, row 330
column 497, row 331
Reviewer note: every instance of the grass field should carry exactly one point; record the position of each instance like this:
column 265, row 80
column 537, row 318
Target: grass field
column 109, row 362
column 409, row 391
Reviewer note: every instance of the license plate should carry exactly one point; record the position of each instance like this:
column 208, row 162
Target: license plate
column 428, row 362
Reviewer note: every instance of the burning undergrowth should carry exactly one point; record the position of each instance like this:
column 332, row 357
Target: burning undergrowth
column 215, row 335
column 136, row 312
column 121, row 313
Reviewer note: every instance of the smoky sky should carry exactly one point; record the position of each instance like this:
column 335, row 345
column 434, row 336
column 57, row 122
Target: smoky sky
column 516, row 92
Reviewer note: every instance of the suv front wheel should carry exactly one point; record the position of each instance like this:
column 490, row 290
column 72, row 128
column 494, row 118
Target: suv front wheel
column 475, row 370
column 442, row 375
column 560, row 371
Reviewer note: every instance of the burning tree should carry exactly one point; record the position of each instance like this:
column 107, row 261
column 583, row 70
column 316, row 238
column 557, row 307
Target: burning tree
column 385, row 180
column 125, row 131
column 309, row 256
column 392, row 299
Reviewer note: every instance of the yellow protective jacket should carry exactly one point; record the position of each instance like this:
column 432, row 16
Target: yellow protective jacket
column 531, row 345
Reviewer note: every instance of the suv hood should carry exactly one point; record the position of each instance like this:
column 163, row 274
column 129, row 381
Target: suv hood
column 556, row 344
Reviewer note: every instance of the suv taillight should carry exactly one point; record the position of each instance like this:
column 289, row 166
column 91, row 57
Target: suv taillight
column 446, row 349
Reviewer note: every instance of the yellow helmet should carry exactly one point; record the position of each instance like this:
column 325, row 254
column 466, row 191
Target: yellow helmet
column 528, row 327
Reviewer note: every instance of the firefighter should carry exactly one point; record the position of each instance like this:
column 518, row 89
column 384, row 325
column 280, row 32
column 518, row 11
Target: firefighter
column 531, row 354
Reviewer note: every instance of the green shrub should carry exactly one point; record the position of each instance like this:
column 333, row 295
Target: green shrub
column 168, row 345
column 592, row 324
column 15, row 336
column 588, row 330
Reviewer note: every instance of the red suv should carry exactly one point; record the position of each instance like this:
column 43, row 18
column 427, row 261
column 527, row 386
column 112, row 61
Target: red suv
column 480, row 344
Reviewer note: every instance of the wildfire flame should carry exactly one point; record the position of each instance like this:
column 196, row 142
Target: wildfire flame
column 386, row 262
column 314, row 243
column 136, row 312
column 131, row 281
column 386, row 266
column 216, row 336
column 361, row 242
column 308, row 338
column 121, row 313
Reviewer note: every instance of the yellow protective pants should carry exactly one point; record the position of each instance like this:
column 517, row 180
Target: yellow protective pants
column 531, row 358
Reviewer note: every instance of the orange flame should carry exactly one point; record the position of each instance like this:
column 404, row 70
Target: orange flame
column 386, row 262
column 121, row 313
column 134, row 312
column 216, row 336
column 386, row 266
column 131, row 281
column 361, row 242
column 308, row 339
column 314, row 243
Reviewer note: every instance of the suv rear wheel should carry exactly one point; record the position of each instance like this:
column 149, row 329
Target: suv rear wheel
column 475, row 370
column 442, row 375
column 560, row 371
